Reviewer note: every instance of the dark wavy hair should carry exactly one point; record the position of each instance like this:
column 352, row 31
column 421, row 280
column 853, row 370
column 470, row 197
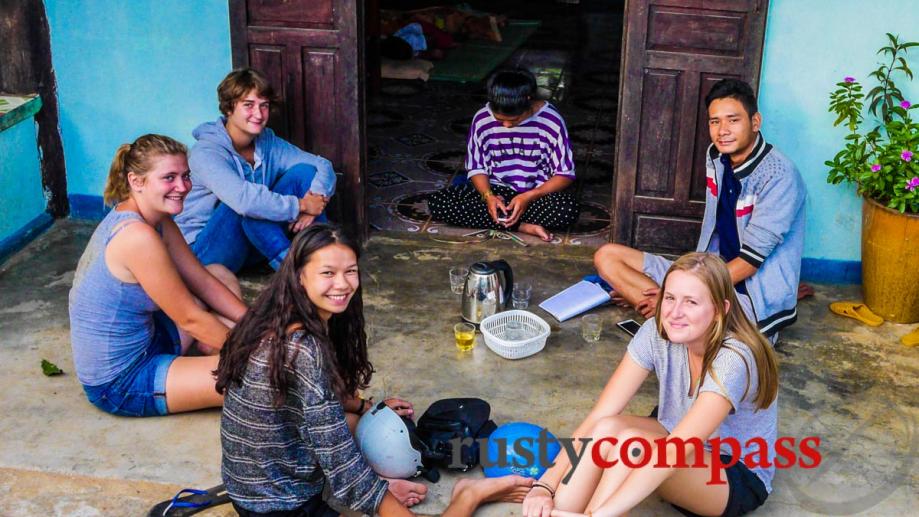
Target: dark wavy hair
column 283, row 303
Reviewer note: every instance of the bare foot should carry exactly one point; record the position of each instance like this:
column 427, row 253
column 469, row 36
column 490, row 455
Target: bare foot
column 535, row 229
column 507, row 489
column 804, row 291
column 408, row 493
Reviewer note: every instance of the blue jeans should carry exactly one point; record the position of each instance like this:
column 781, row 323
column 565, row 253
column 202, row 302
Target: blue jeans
column 234, row 241
column 140, row 389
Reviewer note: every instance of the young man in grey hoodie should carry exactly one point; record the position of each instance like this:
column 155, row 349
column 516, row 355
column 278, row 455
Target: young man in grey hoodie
column 250, row 188
column 754, row 219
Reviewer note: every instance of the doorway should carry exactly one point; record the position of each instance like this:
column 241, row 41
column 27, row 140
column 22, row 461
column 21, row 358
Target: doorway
column 640, row 165
column 417, row 127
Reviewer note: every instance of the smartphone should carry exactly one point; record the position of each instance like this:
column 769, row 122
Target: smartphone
column 630, row 327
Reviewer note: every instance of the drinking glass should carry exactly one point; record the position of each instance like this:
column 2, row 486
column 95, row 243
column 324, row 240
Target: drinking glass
column 591, row 327
column 465, row 336
column 457, row 279
column 514, row 330
column 520, row 297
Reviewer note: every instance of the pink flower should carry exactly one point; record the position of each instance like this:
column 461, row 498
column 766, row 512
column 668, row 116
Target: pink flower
column 905, row 105
column 849, row 79
column 913, row 184
column 906, row 156
column 876, row 167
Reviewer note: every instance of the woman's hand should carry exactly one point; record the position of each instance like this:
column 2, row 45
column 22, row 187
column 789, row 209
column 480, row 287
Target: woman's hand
column 401, row 407
column 517, row 207
column 496, row 203
column 538, row 503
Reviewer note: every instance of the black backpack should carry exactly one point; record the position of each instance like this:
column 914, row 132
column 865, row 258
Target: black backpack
column 449, row 420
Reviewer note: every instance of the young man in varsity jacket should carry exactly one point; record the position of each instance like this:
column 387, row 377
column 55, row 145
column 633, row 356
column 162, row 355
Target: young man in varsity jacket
column 754, row 218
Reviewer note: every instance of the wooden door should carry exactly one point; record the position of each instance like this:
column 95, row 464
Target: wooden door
column 674, row 50
column 311, row 51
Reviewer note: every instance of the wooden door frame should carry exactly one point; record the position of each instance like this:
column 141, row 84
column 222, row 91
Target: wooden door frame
column 351, row 182
column 623, row 185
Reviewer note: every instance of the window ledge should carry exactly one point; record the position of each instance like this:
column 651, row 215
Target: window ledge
column 16, row 108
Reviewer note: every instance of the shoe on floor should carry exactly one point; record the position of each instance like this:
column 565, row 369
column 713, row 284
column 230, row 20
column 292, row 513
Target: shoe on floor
column 911, row 339
column 858, row 311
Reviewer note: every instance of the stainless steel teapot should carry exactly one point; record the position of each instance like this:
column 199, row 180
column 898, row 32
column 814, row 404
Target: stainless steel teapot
column 487, row 285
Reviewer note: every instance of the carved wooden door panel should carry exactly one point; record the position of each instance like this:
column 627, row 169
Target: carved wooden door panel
column 311, row 52
column 674, row 50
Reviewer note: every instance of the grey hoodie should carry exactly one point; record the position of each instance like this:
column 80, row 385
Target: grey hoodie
column 220, row 175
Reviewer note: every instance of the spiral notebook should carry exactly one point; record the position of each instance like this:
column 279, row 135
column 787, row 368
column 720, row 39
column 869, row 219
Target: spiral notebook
column 579, row 298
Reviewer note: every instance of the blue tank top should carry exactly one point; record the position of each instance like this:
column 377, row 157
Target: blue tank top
column 111, row 322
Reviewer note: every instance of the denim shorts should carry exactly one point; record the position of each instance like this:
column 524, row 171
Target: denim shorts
column 140, row 389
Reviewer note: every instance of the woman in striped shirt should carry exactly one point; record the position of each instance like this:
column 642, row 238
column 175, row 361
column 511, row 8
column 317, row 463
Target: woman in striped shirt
column 519, row 164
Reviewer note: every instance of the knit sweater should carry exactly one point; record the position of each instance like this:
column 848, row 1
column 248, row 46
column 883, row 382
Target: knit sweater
column 275, row 458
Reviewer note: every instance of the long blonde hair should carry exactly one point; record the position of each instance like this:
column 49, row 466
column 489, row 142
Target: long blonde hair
column 138, row 158
column 711, row 270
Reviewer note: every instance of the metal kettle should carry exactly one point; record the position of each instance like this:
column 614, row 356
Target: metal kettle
column 487, row 285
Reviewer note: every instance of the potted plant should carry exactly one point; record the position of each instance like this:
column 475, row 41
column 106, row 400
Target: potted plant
column 881, row 157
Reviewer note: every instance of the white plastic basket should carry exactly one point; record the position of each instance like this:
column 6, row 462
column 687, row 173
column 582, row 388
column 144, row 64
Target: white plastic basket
column 535, row 332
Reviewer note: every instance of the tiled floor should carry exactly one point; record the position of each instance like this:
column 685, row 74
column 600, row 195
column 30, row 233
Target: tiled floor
column 417, row 131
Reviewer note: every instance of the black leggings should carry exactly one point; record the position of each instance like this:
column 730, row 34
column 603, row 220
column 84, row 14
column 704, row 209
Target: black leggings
column 463, row 206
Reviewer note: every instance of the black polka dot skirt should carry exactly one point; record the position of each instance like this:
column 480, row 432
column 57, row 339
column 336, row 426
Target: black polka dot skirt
column 463, row 206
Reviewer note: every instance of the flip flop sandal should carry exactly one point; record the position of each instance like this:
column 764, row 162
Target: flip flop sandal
column 190, row 501
column 911, row 339
column 858, row 311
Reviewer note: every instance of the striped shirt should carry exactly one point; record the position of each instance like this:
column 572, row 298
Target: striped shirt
column 524, row 156
column 275, row 458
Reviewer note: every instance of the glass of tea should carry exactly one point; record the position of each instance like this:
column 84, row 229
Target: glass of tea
column 591, row 327
column 465, row 336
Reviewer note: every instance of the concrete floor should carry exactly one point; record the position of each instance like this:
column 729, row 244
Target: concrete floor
column 854, row 386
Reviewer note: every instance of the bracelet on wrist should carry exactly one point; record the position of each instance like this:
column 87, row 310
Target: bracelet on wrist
column 487, row 194
column 545, row 487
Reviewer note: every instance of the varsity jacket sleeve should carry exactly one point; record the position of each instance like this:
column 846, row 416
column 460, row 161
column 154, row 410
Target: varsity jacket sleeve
column 775, row 206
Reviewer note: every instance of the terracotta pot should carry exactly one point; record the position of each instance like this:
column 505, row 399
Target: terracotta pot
column 890, row 262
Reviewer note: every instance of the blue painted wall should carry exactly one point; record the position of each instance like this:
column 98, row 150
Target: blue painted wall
column 21, row 196
column 128, row 68
column 810, row 45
